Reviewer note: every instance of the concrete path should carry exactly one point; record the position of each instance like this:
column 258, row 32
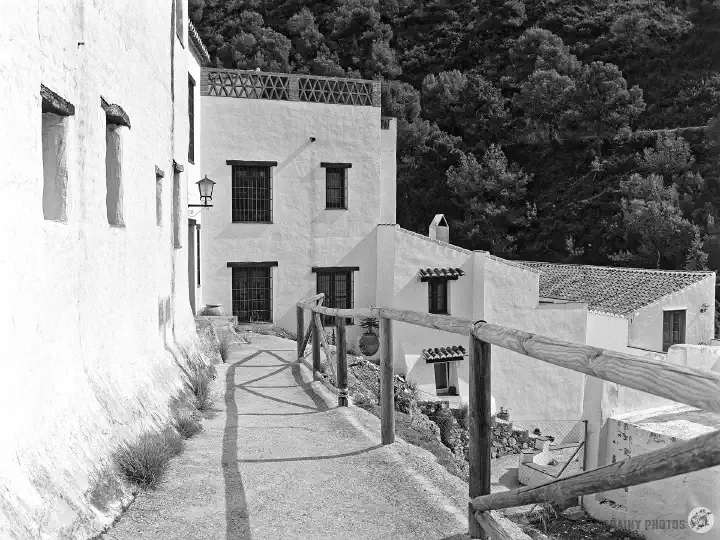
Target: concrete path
column 279, row 460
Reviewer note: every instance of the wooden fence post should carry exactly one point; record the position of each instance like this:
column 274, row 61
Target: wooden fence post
column 300, row 331
column 315, row 347
column 479, row 428
column 341, row 352
column 387, row 376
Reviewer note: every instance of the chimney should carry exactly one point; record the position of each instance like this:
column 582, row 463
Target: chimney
column 439, row 229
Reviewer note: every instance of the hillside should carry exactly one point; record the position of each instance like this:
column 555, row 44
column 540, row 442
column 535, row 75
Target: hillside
column 531, row 125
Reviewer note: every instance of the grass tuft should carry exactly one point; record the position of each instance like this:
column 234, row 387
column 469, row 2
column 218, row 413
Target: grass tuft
column 186, row 424
column 225, row 349
column 201, row 387
column 144, row 461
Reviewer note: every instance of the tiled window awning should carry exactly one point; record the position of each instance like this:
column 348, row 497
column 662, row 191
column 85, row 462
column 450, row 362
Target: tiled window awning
column 426, row 274
column 444, row 354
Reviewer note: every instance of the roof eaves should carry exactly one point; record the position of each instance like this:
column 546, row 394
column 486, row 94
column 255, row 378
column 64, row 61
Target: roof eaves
column 198, row 44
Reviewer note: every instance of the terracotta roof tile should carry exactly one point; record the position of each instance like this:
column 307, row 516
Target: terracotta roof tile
column 444, row 354
column 440, row 273
column 612, row 290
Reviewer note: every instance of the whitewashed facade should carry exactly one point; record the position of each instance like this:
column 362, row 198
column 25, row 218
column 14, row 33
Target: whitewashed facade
column 94, row 255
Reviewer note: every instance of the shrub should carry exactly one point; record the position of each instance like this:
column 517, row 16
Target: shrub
column 461, row 415
column 186, row 424
column 225, row 349
column 210, row 344
column 201, row 387
column 406, row 394
column 144, row 461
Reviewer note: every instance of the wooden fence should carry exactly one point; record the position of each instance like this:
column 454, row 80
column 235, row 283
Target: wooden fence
column 684, row 384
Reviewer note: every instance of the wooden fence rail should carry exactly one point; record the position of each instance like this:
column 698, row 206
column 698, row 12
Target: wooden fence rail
column 678, row 383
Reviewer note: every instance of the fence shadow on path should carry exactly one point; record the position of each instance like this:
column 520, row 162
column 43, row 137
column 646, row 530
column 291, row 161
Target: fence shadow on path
column 236, row 507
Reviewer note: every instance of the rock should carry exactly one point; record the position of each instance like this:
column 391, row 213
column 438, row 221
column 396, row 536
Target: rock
column 574, row 513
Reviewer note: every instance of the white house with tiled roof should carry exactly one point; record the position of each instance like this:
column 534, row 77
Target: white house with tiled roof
column 633, row 309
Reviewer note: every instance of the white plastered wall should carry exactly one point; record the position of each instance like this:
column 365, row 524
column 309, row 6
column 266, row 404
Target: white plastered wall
column 89, row 359
column 304, row 234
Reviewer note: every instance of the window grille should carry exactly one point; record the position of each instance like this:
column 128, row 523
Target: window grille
column 191, row 119
column 335, row 187
column 437, row 292
column 251, row 194
column 338, row 290
column 252, row 294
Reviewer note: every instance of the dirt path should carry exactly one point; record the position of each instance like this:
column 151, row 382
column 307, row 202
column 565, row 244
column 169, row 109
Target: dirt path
column 278, row 459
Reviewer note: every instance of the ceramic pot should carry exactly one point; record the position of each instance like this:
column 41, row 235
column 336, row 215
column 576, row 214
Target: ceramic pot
column 213, row 310
column 369, row 344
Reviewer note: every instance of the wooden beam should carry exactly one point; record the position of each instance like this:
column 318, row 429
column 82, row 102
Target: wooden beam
column 251, row 163
column 310, row 302
column 323, row 342
column 387, row 379
column 324, row 164
column 678, row 458
column 346, row 313
column 255, row 264
column 479, row 428
column 455, row 325
column 316, row 269
column 315, row 345
column 498, row 527
column 678, row 383
column 301, row 352
column 341, row 352
column 300, row 331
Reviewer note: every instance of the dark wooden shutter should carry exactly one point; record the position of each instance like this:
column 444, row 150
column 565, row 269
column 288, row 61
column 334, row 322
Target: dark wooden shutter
column 667, row 330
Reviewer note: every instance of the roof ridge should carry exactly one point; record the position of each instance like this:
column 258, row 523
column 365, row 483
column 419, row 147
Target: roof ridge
column 440, row 242
column 620, row 268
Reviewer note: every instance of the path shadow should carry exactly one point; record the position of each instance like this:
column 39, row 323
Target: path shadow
column 237, row 518
column 236, row 508
column 313, row 458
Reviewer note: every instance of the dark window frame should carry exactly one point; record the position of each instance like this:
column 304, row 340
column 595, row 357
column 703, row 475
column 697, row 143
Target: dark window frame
column 328, row 280
column 674, row 328
column 197, row 253
column 191, row 119
column 438, row 297
column 336, row 188
column 258, row 292
column 252, row 192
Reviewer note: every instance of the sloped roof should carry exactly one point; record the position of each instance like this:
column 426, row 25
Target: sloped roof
column 427, row 274
column 444, row 354
column 612, row 290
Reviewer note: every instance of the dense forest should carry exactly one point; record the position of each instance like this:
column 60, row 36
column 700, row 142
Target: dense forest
column 560, row 130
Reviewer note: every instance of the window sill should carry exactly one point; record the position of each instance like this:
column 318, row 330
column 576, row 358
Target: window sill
column 333, row 208
column 438, row 313
column 191, row 161
column 253, row 222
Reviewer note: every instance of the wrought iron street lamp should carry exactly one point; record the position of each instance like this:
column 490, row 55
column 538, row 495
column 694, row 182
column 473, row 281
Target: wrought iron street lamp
column 205, row 187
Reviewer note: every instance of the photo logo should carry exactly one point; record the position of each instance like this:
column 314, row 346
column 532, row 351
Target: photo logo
column 700, row 519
